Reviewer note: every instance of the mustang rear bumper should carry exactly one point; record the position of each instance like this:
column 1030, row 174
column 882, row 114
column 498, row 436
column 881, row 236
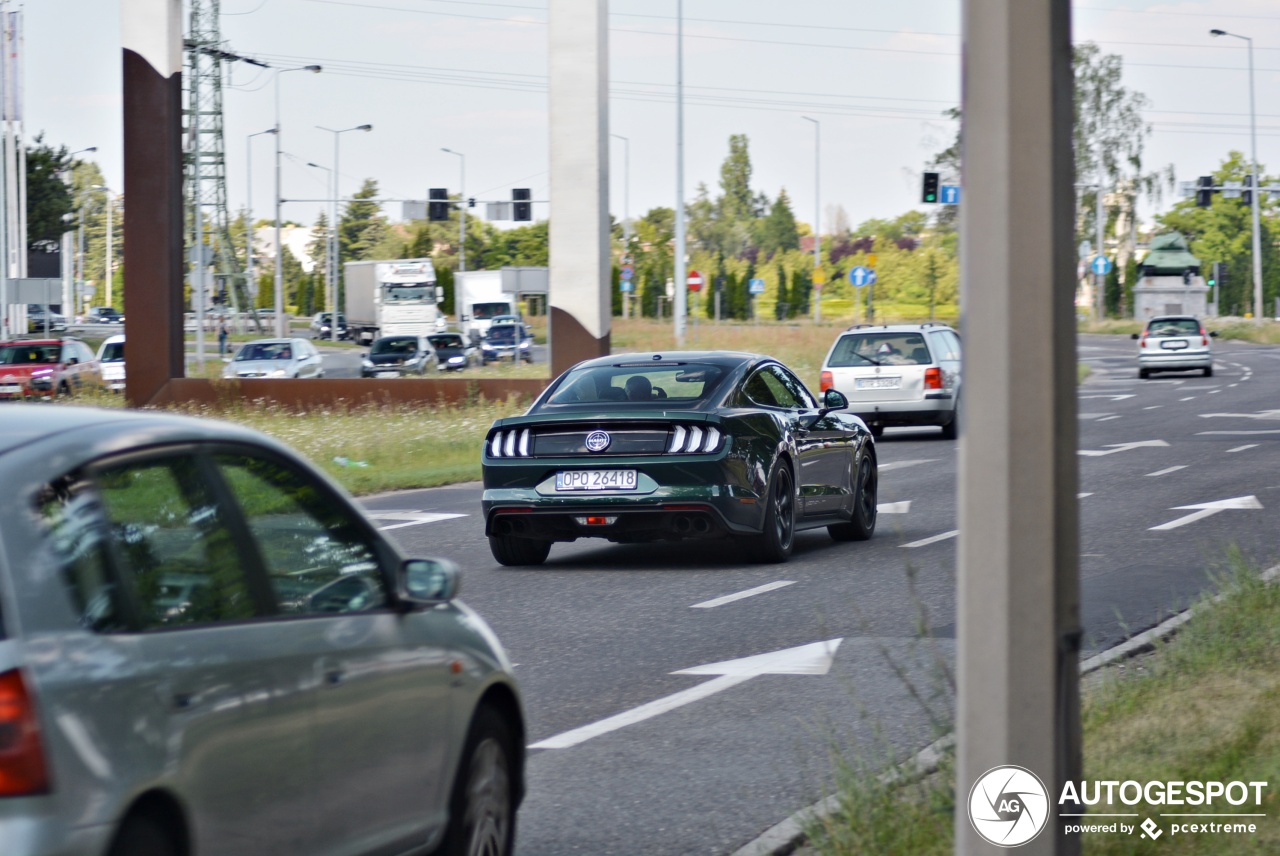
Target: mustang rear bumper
column 672, row 521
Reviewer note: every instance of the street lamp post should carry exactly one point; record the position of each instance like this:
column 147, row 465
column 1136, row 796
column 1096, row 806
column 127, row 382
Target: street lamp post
column 279, row 284
column 328, row 248
column 251, row 281
column 626, row 210
column 817, row 213
column 1257, row 183
column 462, row 210
column 681, row 279
column 335, row 247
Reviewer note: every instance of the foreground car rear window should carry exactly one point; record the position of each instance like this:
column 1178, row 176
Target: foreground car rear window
column 679, row 384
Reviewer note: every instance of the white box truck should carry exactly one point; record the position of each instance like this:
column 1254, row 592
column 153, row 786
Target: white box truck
column 479, row 298
column 388, row 298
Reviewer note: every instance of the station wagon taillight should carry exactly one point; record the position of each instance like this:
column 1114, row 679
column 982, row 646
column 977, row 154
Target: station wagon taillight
column 826, row 382
column 933, row 378
column 22, row 764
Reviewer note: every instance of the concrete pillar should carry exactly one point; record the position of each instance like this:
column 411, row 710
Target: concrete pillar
column 1018, row 599
column 580, row 304
column 151, row 34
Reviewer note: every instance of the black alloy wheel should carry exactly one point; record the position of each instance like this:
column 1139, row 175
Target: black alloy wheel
column 865, row 489
column 779, row 535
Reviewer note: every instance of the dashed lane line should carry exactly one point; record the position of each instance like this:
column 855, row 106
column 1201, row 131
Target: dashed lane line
column 1242, row 448
column 1168, row 470
column 924, row 542
column 751, row 592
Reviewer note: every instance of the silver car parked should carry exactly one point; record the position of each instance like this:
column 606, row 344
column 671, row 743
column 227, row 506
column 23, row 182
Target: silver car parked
column 1174, row 343
column 205, row 648
column 275, row 358
column 898, row 374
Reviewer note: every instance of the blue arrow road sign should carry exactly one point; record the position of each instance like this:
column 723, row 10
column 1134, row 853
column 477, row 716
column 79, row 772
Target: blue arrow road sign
column 756, row 286
column 1101, row 265
column 950, row 194
column 861, row 276
column 627, row 272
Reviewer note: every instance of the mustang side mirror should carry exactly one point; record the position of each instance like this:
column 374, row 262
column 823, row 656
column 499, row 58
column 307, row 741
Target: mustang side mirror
column 1134, row 336
column 1213, row 334
column 427, row 581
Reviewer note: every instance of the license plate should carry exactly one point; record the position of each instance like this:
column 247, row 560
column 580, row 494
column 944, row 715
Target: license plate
column 387, row 374
column 1174, row 346
column 878, row 383
column 596, row 480
column 10, row 389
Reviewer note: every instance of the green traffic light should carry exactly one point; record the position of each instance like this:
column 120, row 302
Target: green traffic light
column 931, row 198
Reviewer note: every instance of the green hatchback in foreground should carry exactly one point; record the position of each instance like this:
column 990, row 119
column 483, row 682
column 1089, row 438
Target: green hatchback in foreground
column 669, row 446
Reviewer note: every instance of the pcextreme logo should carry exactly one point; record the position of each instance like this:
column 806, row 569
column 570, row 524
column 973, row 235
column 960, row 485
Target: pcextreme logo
column 1009, row 806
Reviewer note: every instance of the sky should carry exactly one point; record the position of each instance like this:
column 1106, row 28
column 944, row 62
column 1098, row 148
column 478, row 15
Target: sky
column 470, row 75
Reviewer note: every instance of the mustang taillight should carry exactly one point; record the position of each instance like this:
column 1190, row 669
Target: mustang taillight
column 22, row 762
column 826, row 382
column 933, row 378
column 509, row 444
column 694, row 439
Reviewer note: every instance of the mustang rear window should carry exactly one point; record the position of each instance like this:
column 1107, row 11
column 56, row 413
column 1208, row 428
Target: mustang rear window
column 880, row 349
column 665, row 385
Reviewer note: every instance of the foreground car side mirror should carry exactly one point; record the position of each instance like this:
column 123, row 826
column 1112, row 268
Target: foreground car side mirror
column 1134, row 336
column 833, row 399
column 427, row 581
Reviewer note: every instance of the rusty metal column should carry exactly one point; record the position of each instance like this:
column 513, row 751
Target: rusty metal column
column 1018, row 598
column 151, row 34
column 580, row 303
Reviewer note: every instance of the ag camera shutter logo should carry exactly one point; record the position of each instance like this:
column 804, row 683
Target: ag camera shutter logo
column 1008, row 806
column 598, row 441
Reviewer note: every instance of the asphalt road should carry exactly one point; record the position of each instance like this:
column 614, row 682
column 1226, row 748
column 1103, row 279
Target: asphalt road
column 600, row 629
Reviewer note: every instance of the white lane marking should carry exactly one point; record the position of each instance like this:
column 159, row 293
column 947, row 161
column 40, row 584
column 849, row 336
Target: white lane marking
column 1242, row 448
column 1208, row 509
column 1112, row 448
column 899, row 465
column 1083, row 495
column 1188, row 398
column 1236, row 433
column 1166, row 472
column 1261, row 414
column 1109, row 418
column 894, row 507
column 1083, row 415
column 813, row 659
column 751, row 592
column 1232, row 384
column 410, row 518
column 924, row 542
column 1112, row 397
column 1214, row 391
column 1153, row 407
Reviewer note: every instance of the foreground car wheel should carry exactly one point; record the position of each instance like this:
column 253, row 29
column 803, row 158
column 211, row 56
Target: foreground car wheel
column 511, row 550
column 863, row 524
column 482, row 819
column 775, row 543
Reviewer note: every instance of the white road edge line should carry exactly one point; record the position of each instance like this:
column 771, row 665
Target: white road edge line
column 751, row 592
column 924, row 542
column 1109, row 418
column 411, row 518
column 1166, row 472
column 1242, row 448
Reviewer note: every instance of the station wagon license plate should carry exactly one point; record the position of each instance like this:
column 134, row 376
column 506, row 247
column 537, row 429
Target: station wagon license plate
column 386, row 374
column 1174, row 346
column 878, row 382
column 570, row 480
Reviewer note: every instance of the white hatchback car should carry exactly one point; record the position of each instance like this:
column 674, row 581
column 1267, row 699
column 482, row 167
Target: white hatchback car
column 1174, row 343
column 111, row 359
column 898, row 374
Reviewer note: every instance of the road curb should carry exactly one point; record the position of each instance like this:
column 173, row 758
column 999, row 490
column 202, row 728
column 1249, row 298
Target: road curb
column 783, row 838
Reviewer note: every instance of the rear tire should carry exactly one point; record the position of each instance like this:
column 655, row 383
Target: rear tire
column 513, row 551
column 1143, row 374
column 1208, row 372
column 865, row 489
column 951, row 430
column 143, row 835
column 775, row 543
column 482, row 806
column 876, row 430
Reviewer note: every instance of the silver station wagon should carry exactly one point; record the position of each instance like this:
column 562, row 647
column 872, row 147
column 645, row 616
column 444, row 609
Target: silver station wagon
column 205, row 648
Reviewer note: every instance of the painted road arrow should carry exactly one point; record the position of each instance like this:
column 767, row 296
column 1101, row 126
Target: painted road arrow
column 812, row 659
column 1112, row 448
column 1208, row 509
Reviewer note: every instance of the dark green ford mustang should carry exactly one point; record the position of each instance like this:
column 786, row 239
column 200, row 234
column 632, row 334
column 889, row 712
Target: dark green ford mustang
column 644, row 447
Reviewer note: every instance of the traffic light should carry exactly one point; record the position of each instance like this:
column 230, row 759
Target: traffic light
column 1247, row 193
column 523, row 208
column 930, row 190
column 1204, row 191
column 1213, row 274
column 438, row 204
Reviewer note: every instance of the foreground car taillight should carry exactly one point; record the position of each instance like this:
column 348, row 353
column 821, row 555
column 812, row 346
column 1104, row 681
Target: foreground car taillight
column 694, row 439
column 933, row 378
column 22, row 764
column 826, row 382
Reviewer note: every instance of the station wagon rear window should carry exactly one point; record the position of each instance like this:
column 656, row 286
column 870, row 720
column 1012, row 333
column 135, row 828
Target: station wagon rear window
column 665, row 385
column 880, row 349
column 1174, row 327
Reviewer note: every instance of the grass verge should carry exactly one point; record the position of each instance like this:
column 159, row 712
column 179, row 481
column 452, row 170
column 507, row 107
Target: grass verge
column 1204, row 706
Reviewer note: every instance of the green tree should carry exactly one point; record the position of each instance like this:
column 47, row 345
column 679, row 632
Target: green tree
column 778, row 231
column 783, row 299
column 49, row 199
